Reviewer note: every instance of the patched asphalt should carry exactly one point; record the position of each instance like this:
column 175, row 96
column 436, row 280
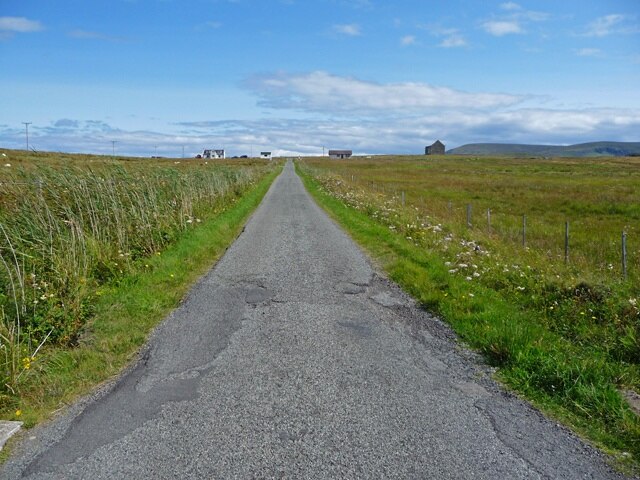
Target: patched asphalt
column 293, row 358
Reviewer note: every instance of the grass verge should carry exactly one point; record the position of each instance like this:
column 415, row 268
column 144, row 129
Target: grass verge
column 125, row 313
column 569, row 381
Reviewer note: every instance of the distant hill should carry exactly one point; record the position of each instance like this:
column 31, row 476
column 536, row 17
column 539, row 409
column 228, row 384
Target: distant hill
column 593, row 149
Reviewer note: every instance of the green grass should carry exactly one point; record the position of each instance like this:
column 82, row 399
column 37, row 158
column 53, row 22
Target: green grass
column 125, row 306
column 571, row 365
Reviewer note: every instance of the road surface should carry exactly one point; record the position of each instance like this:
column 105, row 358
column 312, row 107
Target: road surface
column 293, row 358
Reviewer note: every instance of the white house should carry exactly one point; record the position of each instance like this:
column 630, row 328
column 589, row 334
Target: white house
column 208, row 153
column 266, row 155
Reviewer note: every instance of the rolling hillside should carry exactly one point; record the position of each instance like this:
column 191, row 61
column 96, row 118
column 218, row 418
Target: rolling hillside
column 593, row 149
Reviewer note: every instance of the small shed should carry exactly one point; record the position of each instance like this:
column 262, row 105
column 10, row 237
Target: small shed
column 340, row 153
column 436, row 149
column 266, row 155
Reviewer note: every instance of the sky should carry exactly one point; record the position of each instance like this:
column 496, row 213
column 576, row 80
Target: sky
column 159, row 77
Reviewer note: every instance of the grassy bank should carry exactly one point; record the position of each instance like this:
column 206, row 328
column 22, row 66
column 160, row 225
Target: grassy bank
column 123, row 306
column 557, row 338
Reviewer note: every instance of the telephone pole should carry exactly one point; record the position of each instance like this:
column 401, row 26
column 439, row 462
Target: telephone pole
column 113, row 147
column 26, row 125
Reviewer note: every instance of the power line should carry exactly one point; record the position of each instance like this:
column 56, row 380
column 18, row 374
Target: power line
column 26, row 125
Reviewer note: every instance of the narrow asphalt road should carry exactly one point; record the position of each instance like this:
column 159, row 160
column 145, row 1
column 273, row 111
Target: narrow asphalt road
column 293, row 359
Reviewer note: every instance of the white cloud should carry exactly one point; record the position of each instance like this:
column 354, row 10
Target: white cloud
column 12, row 25
column 612, row 24
column 408, row 40
column 589, row 52
column 511, row 6
column 352, row 29
column 407, row 134
column 500, row 28
column 323, row 92
column 451, row 37
column 453, row 41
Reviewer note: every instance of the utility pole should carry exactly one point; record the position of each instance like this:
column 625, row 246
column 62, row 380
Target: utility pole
column 182, row 151
column 323, row 150
column 156, row 147
column 113, row 147
column 26, row 124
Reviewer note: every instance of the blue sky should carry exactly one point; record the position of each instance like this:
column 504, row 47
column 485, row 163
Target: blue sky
column 294, row 76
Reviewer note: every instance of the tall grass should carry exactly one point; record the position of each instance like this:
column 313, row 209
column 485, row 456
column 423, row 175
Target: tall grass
column 67, row 230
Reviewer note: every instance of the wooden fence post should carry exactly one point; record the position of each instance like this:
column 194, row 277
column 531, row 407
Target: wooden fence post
column 469, row 215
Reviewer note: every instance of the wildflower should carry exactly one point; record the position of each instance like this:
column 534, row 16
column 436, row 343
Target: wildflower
column 520, row 289
column 476, row 274
column 7, row 164
column 468, row 279
column 18, row 412
column 471, row 295
column 171, row 275
column 453, row 270
column 633, row 302
column 448, row 264
column 463, row 265
column 43, row 297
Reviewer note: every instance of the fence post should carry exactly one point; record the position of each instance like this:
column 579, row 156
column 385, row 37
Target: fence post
column 566, row 242
column 624, row 255
column 469, row 215
column 403, row 198
column 524, row 230
column 449, row 206
column 489, row 218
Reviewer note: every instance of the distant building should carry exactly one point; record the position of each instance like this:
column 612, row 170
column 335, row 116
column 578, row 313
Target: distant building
column 209, row 153
column 266, row 155
column 340, row 153
column 436, row 149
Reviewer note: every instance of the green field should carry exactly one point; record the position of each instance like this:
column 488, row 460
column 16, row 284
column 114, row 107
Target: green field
column 94, row 251
column 563, row 333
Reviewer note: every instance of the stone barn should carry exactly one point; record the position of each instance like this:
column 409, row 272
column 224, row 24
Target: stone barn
column 436, row 149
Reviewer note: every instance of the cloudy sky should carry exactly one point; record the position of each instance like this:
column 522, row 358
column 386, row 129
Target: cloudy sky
column 294, row 76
